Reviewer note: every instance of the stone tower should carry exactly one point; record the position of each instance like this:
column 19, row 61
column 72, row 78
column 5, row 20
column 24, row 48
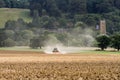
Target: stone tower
column 102, row 27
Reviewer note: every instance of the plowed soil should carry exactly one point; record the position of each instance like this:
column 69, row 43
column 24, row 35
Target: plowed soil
column 27, row 65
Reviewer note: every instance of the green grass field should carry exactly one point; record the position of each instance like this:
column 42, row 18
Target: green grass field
column 13, row 14
column 89, row 51
column 24, row 48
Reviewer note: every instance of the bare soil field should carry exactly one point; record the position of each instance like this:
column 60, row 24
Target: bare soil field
column 27, row 65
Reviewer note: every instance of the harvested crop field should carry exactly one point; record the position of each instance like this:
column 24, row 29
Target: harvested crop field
column 25, row 65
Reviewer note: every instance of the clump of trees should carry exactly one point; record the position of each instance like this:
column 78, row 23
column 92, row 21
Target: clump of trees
column 104, row 41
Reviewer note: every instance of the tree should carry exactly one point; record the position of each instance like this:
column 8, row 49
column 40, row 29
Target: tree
column 10, row 34
column 8, row 3
column 63, row 5
column 9, row 43
column 36, row 21
column 103, row 41
column 2, row 38
column 77, row 6
column 9, row 25
column 27, row 34
column 34, row 43
column 115, row 41
column 48, row 5
column 48, row 22
column 52, row 8
column 2, row 3
column 91, row 19
column 16, row 3
column 117, row 3
column 62, row 22
column 37, row 42
column 15, row 25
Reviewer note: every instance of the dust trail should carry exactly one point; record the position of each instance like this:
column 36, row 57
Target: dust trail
column 76, row 39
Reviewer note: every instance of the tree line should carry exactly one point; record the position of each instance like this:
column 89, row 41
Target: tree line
column 14, row 3
column 89, row 12
column 51, row 17
column 35, row 33
column 71, row 6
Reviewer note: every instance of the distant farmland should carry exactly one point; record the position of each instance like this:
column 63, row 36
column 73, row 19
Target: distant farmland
column 13, row 14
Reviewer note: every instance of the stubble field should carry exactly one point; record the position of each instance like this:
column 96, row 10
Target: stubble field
column 28, row 65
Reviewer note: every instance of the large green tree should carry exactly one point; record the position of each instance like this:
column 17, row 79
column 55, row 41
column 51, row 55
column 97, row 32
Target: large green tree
column 115, row 41
column 37, row 42
column 103, row 41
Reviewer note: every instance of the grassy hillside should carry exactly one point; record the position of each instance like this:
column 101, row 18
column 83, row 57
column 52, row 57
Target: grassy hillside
column 13, row 14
